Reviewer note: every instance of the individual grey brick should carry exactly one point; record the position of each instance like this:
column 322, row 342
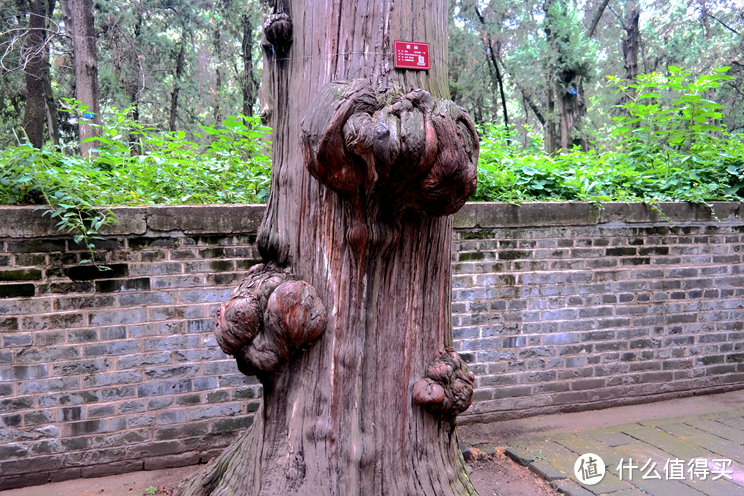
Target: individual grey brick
column 112, row 348
column 224, row 410
column 43, row 386
column 51, row 354
column 114, row 317
column 142, row 360
column 172, row 417
column 97, row 380
column 69, row 398
column 181, row 371
column 117, row 393
column 24, row 372
column 172, row 343
column 136, row 421
column 202, row 383
column 159, row 402
column 164, row 387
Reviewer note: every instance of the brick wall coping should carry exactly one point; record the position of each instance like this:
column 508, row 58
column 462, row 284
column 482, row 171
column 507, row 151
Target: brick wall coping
column 28, row 222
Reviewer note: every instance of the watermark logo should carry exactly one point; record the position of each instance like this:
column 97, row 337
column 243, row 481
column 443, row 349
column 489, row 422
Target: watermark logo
column 589, row 469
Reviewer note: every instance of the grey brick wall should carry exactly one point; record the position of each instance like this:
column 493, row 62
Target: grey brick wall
column 110, row 371
column 566, row 307
column 557, row 307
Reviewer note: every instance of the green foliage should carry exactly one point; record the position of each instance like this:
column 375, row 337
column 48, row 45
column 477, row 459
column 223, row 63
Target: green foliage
column 670, row 149
column 569, row 53
column 138, row 166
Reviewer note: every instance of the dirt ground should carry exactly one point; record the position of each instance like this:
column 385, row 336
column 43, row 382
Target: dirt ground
column 492, row 476
column 499, row 475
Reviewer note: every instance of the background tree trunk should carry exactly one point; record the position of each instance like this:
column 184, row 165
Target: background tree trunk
column 173, row 115
column 79, row 22
column 631, row 42
column 248, row 83
column 35, row 111
column 492, row 58
column 338, row 418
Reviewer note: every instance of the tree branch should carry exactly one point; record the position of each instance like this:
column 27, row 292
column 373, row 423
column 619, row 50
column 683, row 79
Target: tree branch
column 597, row 17
column 736, row 89
column 489, row 48
column 620, row 19
column 723, row 23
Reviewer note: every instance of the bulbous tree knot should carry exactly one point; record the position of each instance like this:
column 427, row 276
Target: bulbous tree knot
column 277, row 29
column 410, row 152
column 269, row 316
column 447, row 389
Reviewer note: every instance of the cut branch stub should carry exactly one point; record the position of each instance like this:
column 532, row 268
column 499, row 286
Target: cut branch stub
column 447, row 389
column 415, row 152
column 269, row 316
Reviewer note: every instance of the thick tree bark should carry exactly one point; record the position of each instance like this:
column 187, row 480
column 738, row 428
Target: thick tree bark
column 79, row 24
column 35, row 111
column 347, row 324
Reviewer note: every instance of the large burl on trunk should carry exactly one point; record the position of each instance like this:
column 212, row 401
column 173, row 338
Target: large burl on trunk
column 347, row 322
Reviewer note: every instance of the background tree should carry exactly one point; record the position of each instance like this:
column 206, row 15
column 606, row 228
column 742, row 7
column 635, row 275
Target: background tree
column 79, row 22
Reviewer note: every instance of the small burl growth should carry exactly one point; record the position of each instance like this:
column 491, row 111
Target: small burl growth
column 447, row 389
column 269, row 316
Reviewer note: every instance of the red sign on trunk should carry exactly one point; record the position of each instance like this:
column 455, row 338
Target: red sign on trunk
column 412, row 55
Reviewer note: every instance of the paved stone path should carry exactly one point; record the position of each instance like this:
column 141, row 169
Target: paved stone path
column 675, row 456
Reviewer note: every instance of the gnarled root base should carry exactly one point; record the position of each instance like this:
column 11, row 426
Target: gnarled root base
column 236, row 472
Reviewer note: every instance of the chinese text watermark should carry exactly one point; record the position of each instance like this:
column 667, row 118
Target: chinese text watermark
column 589, row 469
column 676, row 469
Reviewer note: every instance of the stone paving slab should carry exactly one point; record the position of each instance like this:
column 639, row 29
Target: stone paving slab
column 655, row 468
column 720, row 430
column 570, row 488
column 613, row 439
column 669, row 443
column 731, row 421
column 715, row 444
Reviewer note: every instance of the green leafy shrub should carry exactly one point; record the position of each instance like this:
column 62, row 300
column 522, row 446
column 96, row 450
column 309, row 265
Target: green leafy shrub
column 665, row 146
column 136, row 165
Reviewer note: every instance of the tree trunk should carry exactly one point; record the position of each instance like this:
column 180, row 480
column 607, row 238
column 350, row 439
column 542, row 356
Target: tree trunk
column 35, row 111
column 51, row 104
column 492, row 58
column 631, row 42
column 347, row 324
column 551, row 136
column 176, row 85
column 79, row 22
column 248, row 80
column 525, row 95
column 217, row 42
